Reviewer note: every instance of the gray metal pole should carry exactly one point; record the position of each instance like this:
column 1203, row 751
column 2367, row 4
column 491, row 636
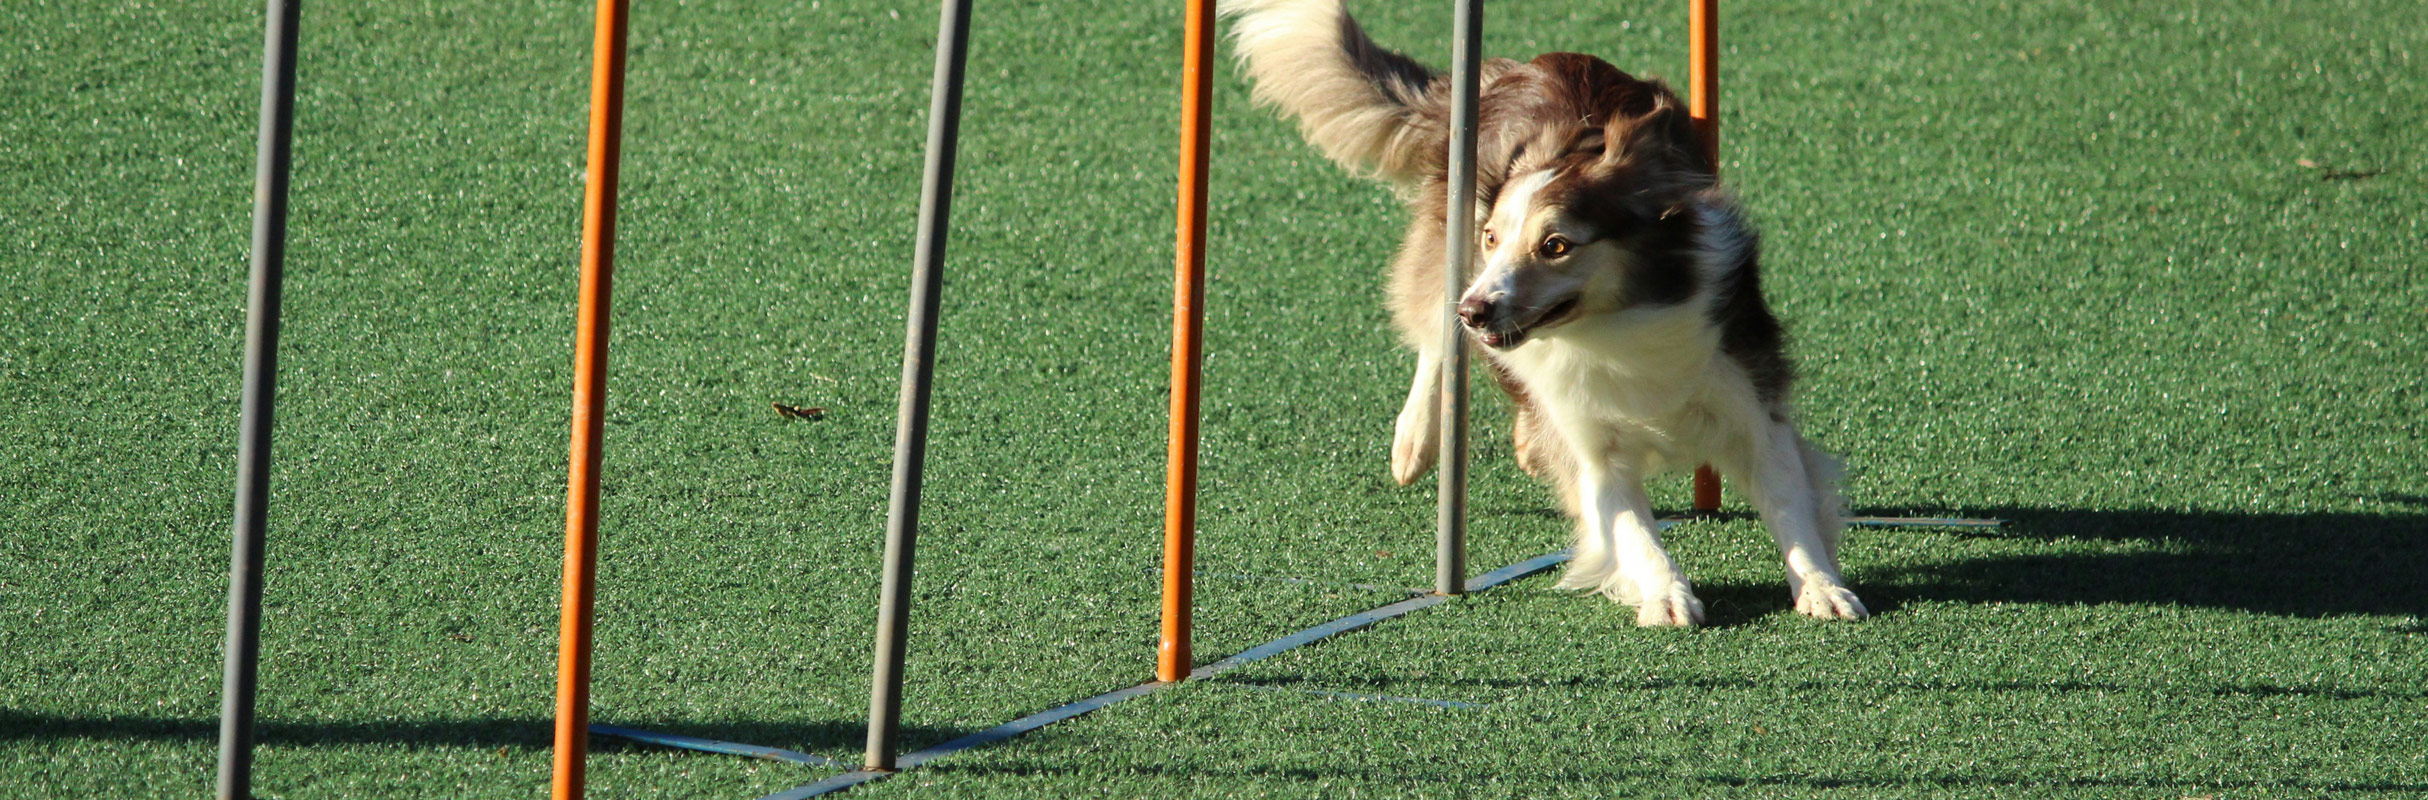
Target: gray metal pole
column 272, row 160
column 1450, row 545
column 918, row 375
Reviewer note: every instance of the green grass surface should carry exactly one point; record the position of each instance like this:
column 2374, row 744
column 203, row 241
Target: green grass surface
column 2053, row 262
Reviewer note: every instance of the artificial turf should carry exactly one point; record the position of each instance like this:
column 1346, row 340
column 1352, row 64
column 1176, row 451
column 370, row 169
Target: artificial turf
column 2066, row 264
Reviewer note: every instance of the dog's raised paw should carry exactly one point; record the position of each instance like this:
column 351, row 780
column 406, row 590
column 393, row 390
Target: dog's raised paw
column 1827, row 600
column 1412, row 448
column 1673, row 607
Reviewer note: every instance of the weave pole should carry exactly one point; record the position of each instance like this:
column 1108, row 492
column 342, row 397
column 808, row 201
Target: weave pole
column 918, row 377
column 1450, row 538
column 589, row 403
column 273, row 160
column 1703, row 27
column 1188, row 350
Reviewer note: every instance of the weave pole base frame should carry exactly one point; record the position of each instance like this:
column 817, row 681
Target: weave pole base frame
column 1074, row 709
column 1419, row 599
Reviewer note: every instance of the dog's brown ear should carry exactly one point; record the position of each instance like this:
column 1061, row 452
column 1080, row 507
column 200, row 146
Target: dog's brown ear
column 1553, row 143
column 1589, row 139
column 1662, row 137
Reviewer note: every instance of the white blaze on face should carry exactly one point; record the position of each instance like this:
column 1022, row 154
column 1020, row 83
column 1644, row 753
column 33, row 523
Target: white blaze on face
column 1508, row 221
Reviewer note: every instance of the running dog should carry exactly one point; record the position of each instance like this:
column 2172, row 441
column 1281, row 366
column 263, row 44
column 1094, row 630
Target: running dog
column 1616, row 293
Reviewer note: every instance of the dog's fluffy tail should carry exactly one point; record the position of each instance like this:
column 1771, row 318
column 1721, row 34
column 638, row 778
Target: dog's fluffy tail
column 1371, row 109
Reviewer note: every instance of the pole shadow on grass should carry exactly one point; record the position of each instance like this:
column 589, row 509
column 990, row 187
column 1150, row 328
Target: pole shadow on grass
column 532, row 733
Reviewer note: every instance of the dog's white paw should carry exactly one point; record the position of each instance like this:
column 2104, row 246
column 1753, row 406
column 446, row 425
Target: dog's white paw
column 1413, row 449
column 1673, row 606
column 1823, row 598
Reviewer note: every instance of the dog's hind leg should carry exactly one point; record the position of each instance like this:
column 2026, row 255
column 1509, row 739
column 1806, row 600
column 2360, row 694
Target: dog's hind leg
column 1415, row 444
column 1528, row 436
column 1785, row 480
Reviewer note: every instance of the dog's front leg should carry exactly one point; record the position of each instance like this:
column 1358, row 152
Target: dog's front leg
column 1791, row 500
column 1616, row 510
column 1416, row 444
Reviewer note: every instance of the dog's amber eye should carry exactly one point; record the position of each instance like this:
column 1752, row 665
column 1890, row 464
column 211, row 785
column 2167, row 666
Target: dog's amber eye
column 1489, row 239
column 1555, row 247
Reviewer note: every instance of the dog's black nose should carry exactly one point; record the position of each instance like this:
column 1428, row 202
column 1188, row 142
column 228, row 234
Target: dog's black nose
column 1475, row 311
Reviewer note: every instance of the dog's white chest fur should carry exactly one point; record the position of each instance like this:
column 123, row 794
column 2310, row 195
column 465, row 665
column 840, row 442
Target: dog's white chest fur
column 1635, row 385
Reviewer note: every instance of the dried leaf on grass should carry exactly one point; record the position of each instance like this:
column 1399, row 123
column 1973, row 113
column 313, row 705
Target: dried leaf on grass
column 797, row 412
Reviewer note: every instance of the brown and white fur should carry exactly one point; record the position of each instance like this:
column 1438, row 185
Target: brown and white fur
column 1616, row 292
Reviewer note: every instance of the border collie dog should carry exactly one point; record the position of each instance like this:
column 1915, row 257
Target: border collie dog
column 1615, row 292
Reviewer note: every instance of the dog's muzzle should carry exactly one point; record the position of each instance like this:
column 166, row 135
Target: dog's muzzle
column 1479, row 314
column 1501, row 327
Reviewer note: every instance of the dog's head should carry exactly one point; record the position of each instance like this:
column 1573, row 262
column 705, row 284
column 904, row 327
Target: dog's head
column 1588, row 222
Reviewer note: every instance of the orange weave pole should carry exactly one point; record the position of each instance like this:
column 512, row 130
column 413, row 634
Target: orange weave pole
column 589, row 403
column 1703, row 26
column 1188, row 323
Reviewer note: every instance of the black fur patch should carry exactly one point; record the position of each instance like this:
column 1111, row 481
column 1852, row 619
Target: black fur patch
column 1668, row 276
column 1664, row 244
column 1749, row 335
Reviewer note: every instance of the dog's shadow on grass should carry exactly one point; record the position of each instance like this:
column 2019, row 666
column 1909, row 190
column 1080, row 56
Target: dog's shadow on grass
column 530, row 734
column 2301, row 565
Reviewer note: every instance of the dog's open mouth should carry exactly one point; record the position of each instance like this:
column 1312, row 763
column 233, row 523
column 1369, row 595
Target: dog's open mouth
column 1516, row 333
